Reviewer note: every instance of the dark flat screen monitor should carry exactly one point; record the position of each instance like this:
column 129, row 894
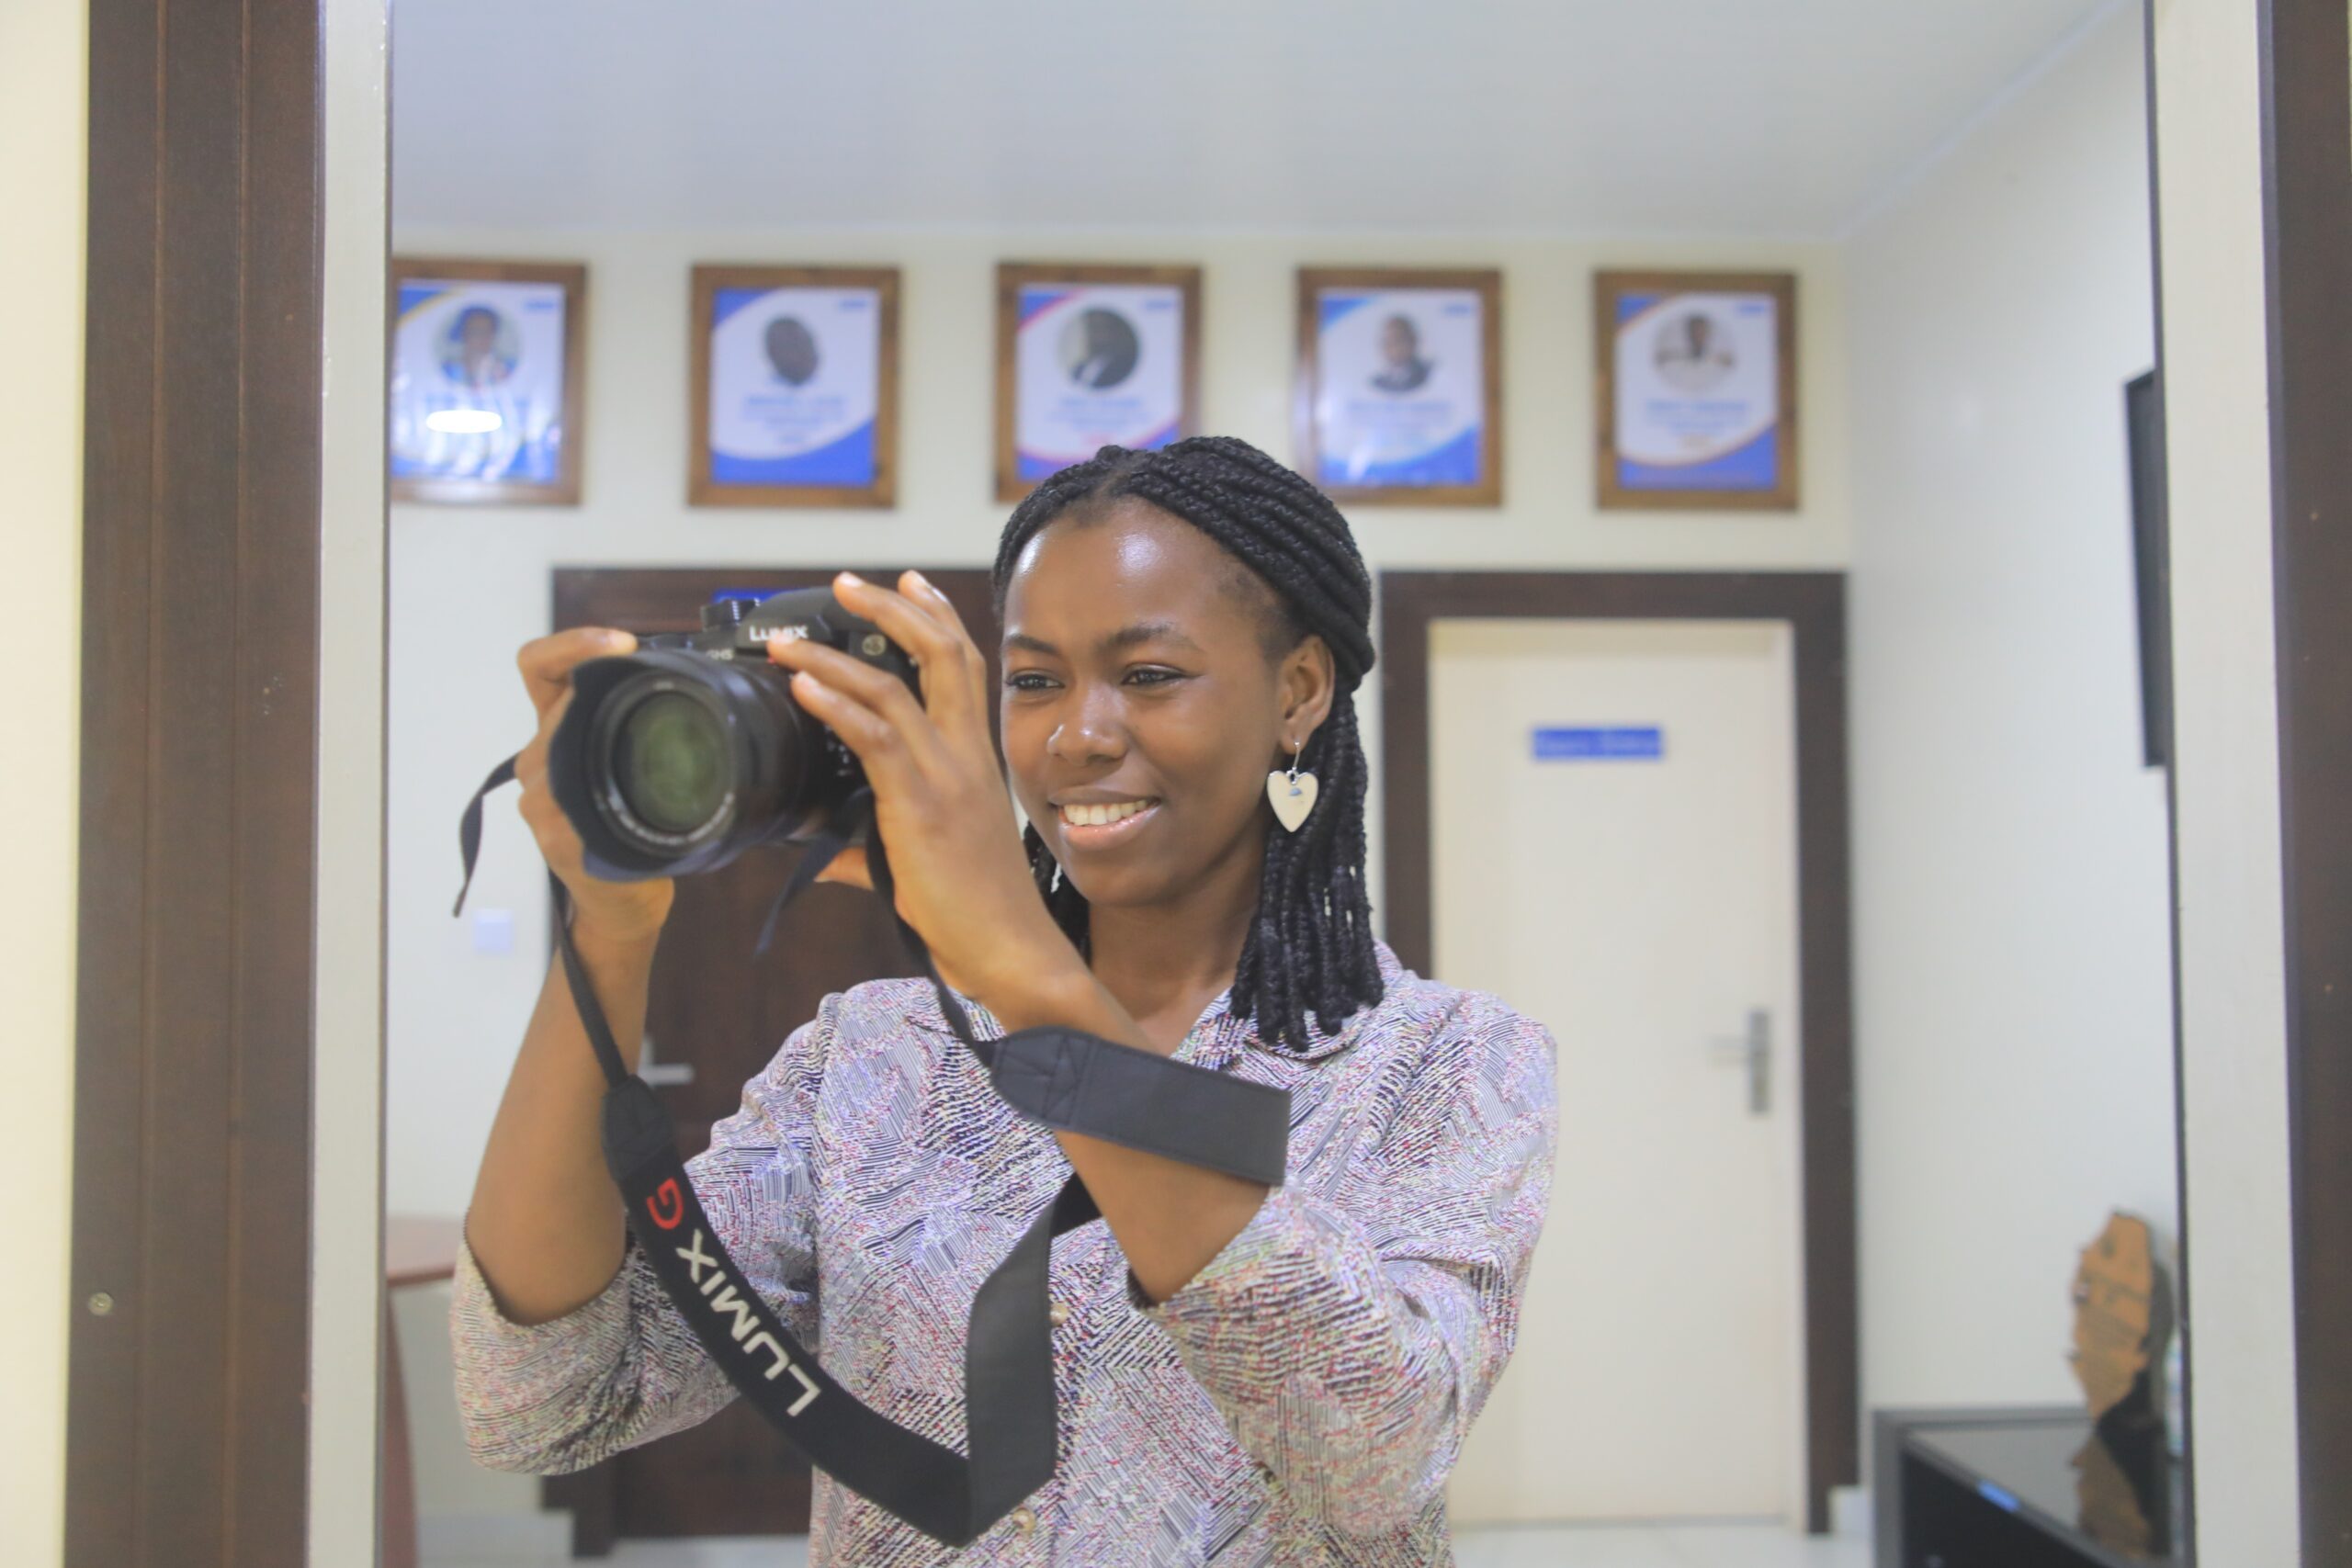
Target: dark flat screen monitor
column 2143, row 416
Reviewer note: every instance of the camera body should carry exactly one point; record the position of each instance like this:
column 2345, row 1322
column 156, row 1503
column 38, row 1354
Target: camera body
column 677, row 757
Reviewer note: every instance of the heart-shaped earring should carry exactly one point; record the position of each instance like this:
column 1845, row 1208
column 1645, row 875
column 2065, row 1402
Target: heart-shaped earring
column 1291, row 794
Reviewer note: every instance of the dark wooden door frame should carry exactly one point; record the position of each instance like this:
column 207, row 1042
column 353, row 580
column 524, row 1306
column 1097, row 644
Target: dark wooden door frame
column 2307, row 222
column 1813, row 604
column 188, row 1385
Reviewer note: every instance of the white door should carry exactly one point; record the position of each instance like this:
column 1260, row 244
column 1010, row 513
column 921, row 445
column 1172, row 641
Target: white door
column 1613, row 852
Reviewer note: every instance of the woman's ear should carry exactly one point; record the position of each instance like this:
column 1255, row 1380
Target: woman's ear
column 1309, row 682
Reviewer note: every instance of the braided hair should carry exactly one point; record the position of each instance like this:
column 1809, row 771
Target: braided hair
column 1309, row 950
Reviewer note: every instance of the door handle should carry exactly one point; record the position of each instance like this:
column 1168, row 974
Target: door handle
column 660, row 1074
column 1754, row 1050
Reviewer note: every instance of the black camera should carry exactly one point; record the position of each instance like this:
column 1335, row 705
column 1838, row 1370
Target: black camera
column 677, row 757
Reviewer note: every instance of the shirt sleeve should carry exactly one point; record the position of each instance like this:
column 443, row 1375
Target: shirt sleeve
column 1349, row 1335
column 623, row 1368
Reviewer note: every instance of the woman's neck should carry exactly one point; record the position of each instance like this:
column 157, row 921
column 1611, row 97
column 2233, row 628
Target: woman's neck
column 1166, row 962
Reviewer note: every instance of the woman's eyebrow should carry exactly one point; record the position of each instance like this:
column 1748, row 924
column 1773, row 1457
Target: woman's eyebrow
column 1124, row 638
column 1149, row 631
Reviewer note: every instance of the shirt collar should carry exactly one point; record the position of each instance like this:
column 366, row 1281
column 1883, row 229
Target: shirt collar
column 1220, row 1037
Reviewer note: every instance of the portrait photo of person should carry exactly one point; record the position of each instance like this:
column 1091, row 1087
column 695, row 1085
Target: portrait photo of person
column 1696, row 372
column 794, row 386
column 1100, row 346
column 483, row 397
column 1090, row 355
column 1693, row 352
column 792, row 350
column 1402, row 366
column 479, row 350
column 1399, row 399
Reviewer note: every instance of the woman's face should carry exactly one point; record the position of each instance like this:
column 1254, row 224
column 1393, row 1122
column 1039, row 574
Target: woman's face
column 1142, row 707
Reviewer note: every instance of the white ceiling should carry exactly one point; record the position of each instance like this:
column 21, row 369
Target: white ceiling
column 1652, row 117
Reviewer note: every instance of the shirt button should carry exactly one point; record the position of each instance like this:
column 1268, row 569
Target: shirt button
column 1059, row 1313
column 1024, row 1521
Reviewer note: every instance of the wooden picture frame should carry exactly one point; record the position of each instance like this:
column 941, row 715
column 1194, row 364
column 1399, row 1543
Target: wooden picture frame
column 530, row 454
column 1743, row 458
column 855, row 460
column 1401, row 439
column 1162, row 406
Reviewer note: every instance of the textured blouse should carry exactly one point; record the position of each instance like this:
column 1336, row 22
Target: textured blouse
column 1300, row 1401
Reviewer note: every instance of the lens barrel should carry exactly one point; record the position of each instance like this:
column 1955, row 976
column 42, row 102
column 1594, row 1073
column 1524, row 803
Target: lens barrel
column 670, row 764
column 675, row 758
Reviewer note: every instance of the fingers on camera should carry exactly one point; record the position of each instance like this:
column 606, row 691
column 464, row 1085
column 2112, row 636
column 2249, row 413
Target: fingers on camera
column 546, row 662
column 878, row 695
column 924, row 592
column 908, row 616
column 862, row 729
column 920, row 620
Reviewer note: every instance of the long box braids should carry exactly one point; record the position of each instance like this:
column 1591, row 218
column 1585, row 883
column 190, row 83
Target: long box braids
column 1308, row 962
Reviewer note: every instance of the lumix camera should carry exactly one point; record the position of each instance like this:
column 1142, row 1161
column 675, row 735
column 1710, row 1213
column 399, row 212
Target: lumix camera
column 677, row 757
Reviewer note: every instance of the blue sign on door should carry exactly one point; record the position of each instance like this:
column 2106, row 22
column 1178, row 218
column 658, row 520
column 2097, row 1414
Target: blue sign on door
column 1600, row 743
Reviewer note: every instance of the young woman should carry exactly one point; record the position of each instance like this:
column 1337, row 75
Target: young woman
column 1245, row 1374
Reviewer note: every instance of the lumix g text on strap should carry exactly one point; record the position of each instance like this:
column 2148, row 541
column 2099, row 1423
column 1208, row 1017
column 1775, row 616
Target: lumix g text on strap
column 1064, row 1080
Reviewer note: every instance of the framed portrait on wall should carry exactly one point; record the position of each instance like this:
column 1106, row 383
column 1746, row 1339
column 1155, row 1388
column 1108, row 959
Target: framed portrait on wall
column 1398, row 396
column 1695, row 389
column 488, row 360
column 795, row 386
column 1089, row 357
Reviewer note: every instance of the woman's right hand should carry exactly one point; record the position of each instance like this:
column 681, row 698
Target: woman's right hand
column 626, row 911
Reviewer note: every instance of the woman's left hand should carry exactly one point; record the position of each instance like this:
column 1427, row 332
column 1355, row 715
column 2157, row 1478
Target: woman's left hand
column 939, row 796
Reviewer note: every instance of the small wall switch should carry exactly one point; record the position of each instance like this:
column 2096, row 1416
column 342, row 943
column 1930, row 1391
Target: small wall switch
column 494, row 932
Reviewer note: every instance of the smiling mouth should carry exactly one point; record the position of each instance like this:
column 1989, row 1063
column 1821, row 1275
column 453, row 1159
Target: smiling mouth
column 1100, row 822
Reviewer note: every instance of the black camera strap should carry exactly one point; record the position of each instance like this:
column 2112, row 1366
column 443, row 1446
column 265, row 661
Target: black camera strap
column 1064, row 1080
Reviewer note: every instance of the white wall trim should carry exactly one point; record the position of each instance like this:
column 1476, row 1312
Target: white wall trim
column 44, row 183
column 346, row 1189
column 2213, row 293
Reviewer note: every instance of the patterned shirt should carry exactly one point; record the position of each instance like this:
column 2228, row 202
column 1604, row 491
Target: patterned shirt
column 1300, row 1401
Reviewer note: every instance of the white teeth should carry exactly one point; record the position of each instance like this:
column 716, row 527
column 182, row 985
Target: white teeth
column 1101, row 815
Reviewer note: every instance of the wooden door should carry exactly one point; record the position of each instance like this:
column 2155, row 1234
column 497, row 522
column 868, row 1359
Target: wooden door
column 1819, row 1036
column 1638, row 780
column 717, row 1016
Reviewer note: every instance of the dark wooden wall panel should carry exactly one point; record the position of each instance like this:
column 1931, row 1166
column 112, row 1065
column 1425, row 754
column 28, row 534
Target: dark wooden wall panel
column 2307, row 210
column 117, row 485
column 188, row 1410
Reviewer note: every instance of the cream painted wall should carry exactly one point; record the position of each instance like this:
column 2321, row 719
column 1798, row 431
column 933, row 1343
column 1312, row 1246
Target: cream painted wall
column 2233, row 992
column 44, row 83
column 2013, row 953
column 469, row 585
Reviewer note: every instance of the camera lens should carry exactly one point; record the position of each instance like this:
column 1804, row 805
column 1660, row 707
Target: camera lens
column 672, row 763
column 677, row 757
